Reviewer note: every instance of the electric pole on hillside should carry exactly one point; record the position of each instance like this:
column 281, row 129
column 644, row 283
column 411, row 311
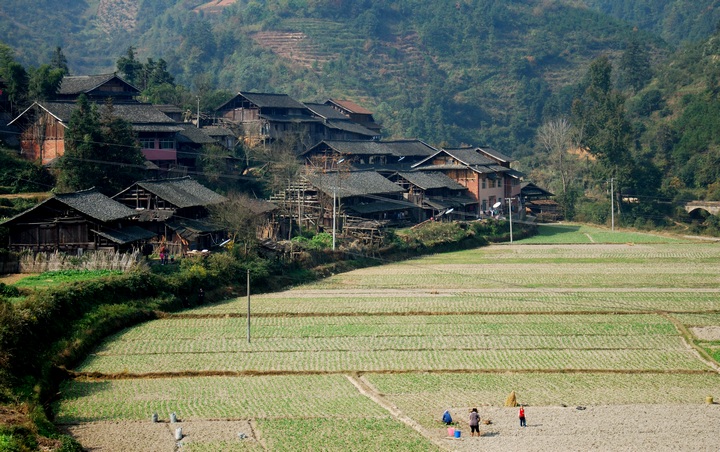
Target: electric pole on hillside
column 248, row 307
column 612, row 204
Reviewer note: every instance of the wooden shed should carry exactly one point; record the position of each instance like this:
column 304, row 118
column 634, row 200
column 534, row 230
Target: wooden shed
column 73, row 222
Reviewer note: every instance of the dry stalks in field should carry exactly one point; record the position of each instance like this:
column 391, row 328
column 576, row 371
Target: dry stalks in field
column 511, row 400
column 97, row 260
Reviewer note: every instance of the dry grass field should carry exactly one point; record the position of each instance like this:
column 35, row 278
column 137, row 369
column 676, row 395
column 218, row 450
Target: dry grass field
column 612, row 346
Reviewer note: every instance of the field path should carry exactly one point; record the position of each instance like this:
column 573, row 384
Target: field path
column 687, row 339
column 366, row 389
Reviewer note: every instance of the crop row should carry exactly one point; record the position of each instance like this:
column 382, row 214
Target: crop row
column 328, row 396
column 529, row 275
column 638, row 254
column 233, row 344
column 544, row 300
column 396, row 360
column 172, row 329
column 353, row 432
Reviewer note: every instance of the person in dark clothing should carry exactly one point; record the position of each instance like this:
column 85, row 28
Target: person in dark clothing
column 474, row 421
column 446, row 418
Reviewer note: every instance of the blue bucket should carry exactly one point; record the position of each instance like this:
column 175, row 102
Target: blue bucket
column 457, row 433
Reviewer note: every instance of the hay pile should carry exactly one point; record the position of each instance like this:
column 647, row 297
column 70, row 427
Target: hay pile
column 511, row 400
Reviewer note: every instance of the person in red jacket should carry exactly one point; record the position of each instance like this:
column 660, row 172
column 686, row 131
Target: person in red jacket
column 522, row 416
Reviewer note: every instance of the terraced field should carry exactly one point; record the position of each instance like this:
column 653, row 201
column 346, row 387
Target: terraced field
column 368, row 360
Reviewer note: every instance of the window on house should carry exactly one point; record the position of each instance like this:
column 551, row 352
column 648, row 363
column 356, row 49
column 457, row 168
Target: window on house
column 484, row 184
column 167, row 144
column 147, row 143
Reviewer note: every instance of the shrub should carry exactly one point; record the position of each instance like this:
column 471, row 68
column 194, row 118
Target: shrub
column 8, row 291
column 436, row 232
column 8, row 443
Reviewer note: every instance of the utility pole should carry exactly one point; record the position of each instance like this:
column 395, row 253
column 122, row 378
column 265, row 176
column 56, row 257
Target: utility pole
column 333, row 221
column 612, row 204
column 335, row 187
column 248, row 305
column 509, row 201
column 198, row 112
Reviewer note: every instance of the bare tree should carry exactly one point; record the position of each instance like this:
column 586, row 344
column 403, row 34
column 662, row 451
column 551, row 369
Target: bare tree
column 556, row 136
column 241, row 216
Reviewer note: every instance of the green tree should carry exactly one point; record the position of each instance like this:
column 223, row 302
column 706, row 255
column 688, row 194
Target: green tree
column 130, row 67
column 635, row 70
column 59, row 61
column 101, row 151
column 44, row 82
column 15, row 77
column 599, row 116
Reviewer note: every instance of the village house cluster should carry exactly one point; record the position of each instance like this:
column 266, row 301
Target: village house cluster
column 351, row 179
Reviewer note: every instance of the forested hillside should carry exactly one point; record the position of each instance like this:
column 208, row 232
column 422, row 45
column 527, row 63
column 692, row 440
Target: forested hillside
column 474, row 71
column 676, row 21
column 634, row 81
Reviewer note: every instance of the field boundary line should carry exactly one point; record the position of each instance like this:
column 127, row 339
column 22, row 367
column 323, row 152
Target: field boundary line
column 368, row 391
column 233, row 315
column 687, row 337
column 290, row 373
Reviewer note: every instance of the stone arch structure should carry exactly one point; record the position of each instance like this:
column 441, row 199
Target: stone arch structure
column 712, row 207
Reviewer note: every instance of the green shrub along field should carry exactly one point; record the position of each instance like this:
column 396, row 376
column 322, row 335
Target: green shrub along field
column 50, row 279
column 369, row 359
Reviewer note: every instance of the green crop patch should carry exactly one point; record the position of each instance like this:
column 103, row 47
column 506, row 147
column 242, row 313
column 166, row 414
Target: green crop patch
column 333, row 434
column 324, row 396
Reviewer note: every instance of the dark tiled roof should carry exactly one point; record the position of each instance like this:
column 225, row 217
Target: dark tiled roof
column 353, row 183
column 79, row 84
column 192, row 229
column 399, row 148
column 531, row 190
column 182, row 192
column 494, row 154
column 155, row 128
column 325, row 111
column 352, row 127
column 291, row 118
column 136, row 113
column 127, row 234
column 380, row 206
column 515, row 173
column 272, row 100
column 428, row 180
column 350, row 106
column 470, row 156
column 191, row 134
column 215, row 131
column 168, row 108
column 90, row 203
column 465, row 158
column 267, row 100
column 446, row 203
column 95, row 205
